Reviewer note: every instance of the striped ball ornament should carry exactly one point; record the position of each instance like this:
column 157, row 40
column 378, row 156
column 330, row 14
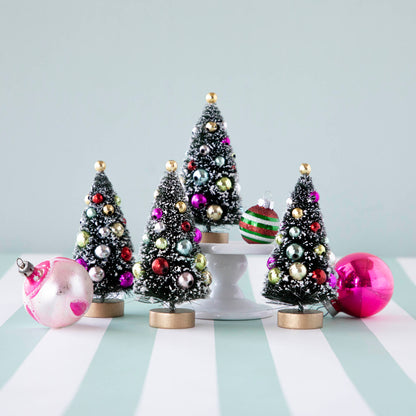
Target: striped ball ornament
column 259, row 224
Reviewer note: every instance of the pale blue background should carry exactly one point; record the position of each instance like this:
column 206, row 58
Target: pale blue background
column 327, row 82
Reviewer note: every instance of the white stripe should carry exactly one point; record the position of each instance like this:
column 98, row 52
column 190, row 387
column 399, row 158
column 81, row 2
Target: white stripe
column 260, row 220
column 49, row 378
column 311, row 370
column 12, row 285
column 396, row 330
column 182, row 374
column 256, row 237
column 409, row 266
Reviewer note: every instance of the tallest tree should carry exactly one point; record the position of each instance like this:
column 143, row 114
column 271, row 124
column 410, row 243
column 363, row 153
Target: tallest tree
column 210, row 172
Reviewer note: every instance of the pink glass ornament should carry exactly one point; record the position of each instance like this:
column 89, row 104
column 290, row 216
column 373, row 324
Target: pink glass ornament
column 198, row 201
column 226, row 140
column 332, row 280
column 83, row 263
column 58, row 292
column 315, row 196
column 198, row 235
column 271, row 263
column 365, row 285
column 126, row 279
column 157, row 214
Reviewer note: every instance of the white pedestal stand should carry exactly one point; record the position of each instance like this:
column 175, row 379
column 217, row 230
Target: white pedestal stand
column 227, row 263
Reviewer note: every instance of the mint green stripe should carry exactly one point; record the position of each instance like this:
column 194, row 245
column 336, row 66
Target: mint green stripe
column 263, row 217
column 378, row 378
column 260, row 225
column 115, row 378
column 19, row 335
column 404, row 289
column 247, row 380
column 7, row 261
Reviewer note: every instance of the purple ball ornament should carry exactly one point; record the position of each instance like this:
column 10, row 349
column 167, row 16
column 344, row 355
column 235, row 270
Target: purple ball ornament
column 198, row 235
column 83, row 263
column 314, row 196
column 271, row 263
column 226, row 140
column 126, row 279
column 332, row 280
column 198, row 201
column 157, row 214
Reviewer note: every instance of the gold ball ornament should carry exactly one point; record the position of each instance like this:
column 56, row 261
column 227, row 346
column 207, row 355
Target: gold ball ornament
column 274, row 275
column 319, row 250
column 200, row 261
column 87, row 200
column 207, row 277
column 156, row 193
column 297, row 213
column 211, row 98
column 297, row 271
column 224, row 184
column 211, row 126
column 279, row 239
column 100, row 166
column 138, row 270
column 161, row 243
column 305, row 169
column 117, row 200
column 214, row 212
column 108, row 209
column 82, row 239
column 171, row 166
column 181, row 207
column 117, row 229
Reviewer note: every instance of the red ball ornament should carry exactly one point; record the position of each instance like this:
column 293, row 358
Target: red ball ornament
column 315, row 227
column 126, row 254
column 191, row 165
column 160, row 266
column 124, row 221
column 186, row 226
column 319, row 275
column 97, row 199
column 365, row 285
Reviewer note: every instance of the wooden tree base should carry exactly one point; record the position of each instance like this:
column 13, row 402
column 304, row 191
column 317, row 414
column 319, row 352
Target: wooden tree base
column 106, row 309
column 180, row 319
column 293, row 319
column 215, row 238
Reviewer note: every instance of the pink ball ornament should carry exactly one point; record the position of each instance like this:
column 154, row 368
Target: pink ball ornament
column 365, row 285
column 198, row 235
column 157, row 214
column 56, row 292
column 198, row 201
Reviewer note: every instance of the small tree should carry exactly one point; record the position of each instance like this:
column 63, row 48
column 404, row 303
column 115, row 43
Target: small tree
column 103, row 243
column 172, row 269
column 301, row 266
column 210, row 172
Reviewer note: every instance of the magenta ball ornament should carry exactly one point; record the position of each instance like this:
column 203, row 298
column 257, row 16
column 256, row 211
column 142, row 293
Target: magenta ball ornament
column 198, row 235
column 126, row 279
column 365, row 285
column 157, row 214
column 198, row 201
column 56, row 292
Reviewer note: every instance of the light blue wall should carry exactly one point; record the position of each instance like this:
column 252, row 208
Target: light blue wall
column 328, row 82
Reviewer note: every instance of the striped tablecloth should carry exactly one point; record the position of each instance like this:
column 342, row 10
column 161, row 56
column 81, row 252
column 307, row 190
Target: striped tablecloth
column 122, row 366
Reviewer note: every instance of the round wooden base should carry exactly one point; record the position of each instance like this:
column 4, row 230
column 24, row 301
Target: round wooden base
column 106, row 309
column 293, row 319
column 180, row 319
column 215, row 238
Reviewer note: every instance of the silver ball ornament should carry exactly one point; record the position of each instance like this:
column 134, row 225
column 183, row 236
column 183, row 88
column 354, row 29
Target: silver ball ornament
column 184, row 247
column 185, row 280
column 160, row 227
column 200, row 176
column 102, row 251
column 294, row 232
column 96, row 273
column 104, row 232
column 219, row 161
column 204, row 150
column 294, row 251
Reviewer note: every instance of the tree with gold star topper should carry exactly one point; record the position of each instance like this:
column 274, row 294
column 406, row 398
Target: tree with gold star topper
column 172, row 269
column 301, row 266
column 103, row 244
column 210, row 171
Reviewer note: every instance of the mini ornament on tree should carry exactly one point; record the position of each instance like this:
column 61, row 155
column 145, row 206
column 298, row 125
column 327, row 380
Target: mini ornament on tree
column 104, row 248
column 365, row 286
column 172, row 270
column 56, row 292
column 301, row 266
column 260, row 223
column 210, row 174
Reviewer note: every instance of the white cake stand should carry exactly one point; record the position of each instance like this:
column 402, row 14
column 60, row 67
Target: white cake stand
column 227, row 263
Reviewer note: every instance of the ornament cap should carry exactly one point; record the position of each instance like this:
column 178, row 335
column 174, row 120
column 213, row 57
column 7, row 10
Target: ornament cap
column 171, row 166
column 25, row 267
column 266, row 200
column 211, row 98
column 305, row 169
column 100, row 166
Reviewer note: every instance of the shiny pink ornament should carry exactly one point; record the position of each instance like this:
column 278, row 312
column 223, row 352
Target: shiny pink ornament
column 157, row 214
column 271, row 263
column 226, row 140
column 198, row 235
column 126, row 279
column 198, row 201
column 57, row 292
column 83, row 263
column 365, row 285
column 314, row 196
